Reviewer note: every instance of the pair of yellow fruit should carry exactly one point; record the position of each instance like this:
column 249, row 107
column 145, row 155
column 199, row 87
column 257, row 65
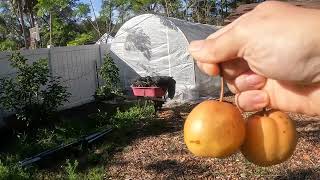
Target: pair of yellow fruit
column 217, row 129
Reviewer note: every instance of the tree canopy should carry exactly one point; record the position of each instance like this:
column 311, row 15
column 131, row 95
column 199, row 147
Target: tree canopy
column 71, row 22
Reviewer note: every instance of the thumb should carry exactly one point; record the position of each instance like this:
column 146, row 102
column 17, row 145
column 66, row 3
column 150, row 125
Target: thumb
column 225, row 47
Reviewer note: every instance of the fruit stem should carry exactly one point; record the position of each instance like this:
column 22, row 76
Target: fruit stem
column 264, row 110
column 221, row 89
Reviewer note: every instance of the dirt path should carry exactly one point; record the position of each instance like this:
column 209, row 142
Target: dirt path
column 165, row 156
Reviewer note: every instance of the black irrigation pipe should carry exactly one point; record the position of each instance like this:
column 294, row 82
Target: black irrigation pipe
column 83, row 141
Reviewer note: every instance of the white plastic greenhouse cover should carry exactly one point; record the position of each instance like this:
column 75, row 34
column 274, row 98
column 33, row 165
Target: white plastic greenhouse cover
column 149, row 45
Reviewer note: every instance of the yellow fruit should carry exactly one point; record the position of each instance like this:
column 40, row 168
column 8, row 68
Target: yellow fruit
column 214, row 129
column 271, row 138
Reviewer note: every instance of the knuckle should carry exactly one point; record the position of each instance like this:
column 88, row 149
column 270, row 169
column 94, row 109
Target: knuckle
column 266, row 5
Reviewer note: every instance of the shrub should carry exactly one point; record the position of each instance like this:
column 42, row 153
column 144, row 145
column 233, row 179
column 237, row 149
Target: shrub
column 8, row 45
column 109, row 73
column 32, row 94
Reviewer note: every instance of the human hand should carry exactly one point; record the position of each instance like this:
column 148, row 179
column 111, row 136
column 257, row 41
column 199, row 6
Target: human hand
column 268, row 57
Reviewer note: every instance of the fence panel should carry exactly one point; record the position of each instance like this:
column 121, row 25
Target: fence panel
column 77, row 65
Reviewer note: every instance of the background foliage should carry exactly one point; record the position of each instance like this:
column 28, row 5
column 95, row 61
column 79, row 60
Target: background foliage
column 72, row 23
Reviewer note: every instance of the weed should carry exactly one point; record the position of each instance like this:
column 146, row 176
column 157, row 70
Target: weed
column 96, row 173
column 123, row 121
column 71, row 169
column 13, row 172
column 133, row 114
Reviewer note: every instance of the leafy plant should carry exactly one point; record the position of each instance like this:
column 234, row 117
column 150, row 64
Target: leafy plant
column 32, row 94
column 82, row 39
column 96, row 173
column 4, row 171
column 8, row 45
column 12, row 172
column 109, row 72
column 70, row 170
column 127, row 118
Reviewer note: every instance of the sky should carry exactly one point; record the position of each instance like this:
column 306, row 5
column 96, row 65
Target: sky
column 96, row 5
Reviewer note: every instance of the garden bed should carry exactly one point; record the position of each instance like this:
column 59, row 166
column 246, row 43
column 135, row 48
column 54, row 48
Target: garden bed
column 165, row 156
column 145, row 146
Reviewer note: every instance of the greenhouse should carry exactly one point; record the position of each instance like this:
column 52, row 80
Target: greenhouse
column 152, row 45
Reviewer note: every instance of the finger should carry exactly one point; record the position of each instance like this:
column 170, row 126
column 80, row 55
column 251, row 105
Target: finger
column 209, row 69
column 249, row 81
column 233, row 68
column 253, row 100
column 231, row 86
column 223, row 48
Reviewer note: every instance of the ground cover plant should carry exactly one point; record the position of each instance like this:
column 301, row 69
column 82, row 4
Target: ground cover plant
column 34, row 96
column 80, row 162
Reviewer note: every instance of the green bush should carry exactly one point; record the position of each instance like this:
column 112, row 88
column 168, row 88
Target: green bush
column 32, row 94
column 109, row 73
column 8, row 45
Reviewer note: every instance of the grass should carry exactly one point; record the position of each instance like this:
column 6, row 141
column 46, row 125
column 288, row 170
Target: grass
column 84, row 162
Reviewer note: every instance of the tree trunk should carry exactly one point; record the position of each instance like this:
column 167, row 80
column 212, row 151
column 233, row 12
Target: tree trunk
column 32, row 19
column 22, row 24
column 166, row 8
column 110, row 16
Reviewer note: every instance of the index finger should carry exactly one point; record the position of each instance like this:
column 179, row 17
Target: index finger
column 225, row 47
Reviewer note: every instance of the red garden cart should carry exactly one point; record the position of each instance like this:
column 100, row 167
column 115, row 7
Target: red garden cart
column 156, row 94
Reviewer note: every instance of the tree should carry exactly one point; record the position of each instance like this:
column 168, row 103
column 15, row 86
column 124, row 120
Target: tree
column 30, row 10
column 10, row 27
column 202, row 11
column 65, row 22
column 82, row 12
column 50, row 7
column 17, row 6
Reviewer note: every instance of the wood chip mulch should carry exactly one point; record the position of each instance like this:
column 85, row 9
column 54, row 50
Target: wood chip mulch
column 165, row 156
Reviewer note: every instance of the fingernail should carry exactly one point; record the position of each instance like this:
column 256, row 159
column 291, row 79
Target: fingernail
column 196, row 45
column 254, row 80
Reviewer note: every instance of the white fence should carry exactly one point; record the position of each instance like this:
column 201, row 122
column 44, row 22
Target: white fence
column 77, row 65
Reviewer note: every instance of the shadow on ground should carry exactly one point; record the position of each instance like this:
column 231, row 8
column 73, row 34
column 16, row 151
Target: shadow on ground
column 300, row 174
column 174, row 169
column 308, row 128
